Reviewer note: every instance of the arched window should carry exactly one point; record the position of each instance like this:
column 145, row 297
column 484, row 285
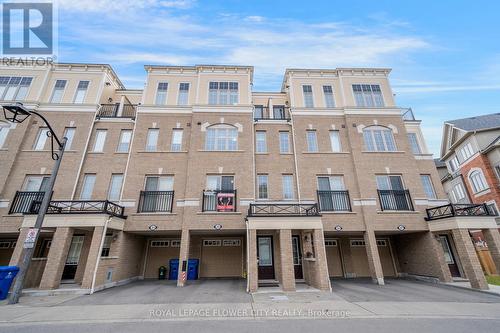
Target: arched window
column 221, row 137
column 4, row 130
column 378, row 138
column 477, row 180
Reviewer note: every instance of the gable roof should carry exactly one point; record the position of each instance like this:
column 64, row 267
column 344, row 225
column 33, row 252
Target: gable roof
column 488, row 121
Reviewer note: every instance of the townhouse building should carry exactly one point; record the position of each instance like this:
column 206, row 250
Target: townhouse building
column 469, row 168
column 325, row 178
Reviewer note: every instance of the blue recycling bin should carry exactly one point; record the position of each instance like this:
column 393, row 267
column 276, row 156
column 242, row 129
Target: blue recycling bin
column 173, row 269
column 192, row 273
column 7, row 275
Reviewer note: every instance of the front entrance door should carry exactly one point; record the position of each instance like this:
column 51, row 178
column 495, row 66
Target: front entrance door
column 297, row 257
column 73, row 258
column 449, row 257
column 265, row 257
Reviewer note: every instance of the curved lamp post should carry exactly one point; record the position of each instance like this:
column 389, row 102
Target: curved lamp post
column 17, row 113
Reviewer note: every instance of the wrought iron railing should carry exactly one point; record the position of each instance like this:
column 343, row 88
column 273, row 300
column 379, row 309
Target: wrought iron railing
column 332, row 201
column 395, row 200
column 112, row 111
column 452, row 210
column 278, row 113
column 283, row 210
column 407, row 114
column 155, row 201
column 81, row 207
column 219, row 201
column 23, row 200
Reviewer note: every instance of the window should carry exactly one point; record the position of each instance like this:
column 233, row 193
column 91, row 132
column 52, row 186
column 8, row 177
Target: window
column 335, row 141
column 308, row 96
column 477, row 180
column 220, row 183
column 288, row 192
column 381, row 242
column 331, row 183
column 391, row 182
column 41, row 139
column 223, row 93
column 330, row 242
column 152, row 139
column 14, row 88
column 4, row 130
column 182, row 99
column 415, row 147
column 312, row 141
column 454, row 164
column 69, row 133
column 328, row 92
column 221, row 137
column 260, row 142
column 492, row 208
column 368, row 95
column 161, row 93
column 212, row 242
column 279, row 112
column 124, row 144
column 378, row 138
column 175, row 243
column 357, row 242
column 457, row 193
column 428, row 187
column 87, row 187
column 160, row 243
column 4, row 245
column 258, row 112
column 106, row 246
column 81, row 91
column 100, row 139
column 284, row 142
column 36, row 183
column 57, row 94
column 466, row 152
column 262, row 181
column 497, row 169
column 115, row 187
column 176, row 144
column 159, row 183
column 231, row 242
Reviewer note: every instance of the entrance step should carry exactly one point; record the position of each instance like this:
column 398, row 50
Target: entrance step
column 55, row 292
column 268, row 283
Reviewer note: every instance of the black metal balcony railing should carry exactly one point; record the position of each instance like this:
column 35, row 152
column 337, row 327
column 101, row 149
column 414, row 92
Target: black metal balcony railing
column 112, row 111
column 219, row 201
column 395, row 200
column 268, row 210
column 23, row 200
column 155, row 201
column 332, row 201
column 452, row 210
column 278, row 113
column 407, row 114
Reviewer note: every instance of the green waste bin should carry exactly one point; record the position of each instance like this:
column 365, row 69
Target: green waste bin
column 162, row 273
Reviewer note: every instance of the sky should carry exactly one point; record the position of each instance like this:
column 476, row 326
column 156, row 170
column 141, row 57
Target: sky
column 444, row 55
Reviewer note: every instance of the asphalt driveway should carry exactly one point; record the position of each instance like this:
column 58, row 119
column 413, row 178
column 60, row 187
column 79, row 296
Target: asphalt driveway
column 400, row 290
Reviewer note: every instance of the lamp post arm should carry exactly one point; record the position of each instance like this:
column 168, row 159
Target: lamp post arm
column 52, row 135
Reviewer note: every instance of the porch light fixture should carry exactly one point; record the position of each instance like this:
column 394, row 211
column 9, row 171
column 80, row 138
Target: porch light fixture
column 15, row 113
column 401, row 227
column 338, row 227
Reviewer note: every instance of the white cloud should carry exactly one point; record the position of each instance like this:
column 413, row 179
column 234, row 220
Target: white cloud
column 105, row 6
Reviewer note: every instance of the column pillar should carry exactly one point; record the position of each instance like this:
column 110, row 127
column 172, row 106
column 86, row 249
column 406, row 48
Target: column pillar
column 373, row 257
column 93, row 256
column 492, row 238
column 56, row 259
column 323, row 278
column 286, row 260
column 18, row 250
column 253, row 273
column 468, row 258
column 183, row 256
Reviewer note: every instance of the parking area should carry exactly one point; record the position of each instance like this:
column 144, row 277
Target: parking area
column 400, row 290
column 166, row 291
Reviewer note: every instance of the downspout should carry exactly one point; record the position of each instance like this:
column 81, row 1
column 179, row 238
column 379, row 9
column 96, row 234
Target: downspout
column 292, row 101
column 98, row 261
column 129, row 153
column 248, row 256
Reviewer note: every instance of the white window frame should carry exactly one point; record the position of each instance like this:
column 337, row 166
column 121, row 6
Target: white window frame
column 85, row 186
column 288, row 193
column 159, row 243
column 163, row 100
column 336, row 146
column 261, row 142
column 112, row 187
column 221, row 134
column 212, row 242
column 328, row 96
column 152, row 139
column 477, row 180
column 62, row 90
column 357, row 243
column 466, row 151
column 176, row 142
column 5, row 245
column 6, row 86
column 175, row 243
column 368, row 98
column 78, row 90
column 164, row 183
column 4, row 132
column 369, row 133
column 458, row 191
column 312, row 146
column 183, row 95
column 231, row 242
column 223, row 96
column 331, row 242
column 283, row 134
column 40, row 179
column 100, row 140
column 308, row 99
column 69, row 142
column 122, row 143
column 432, row 194
column 266, row 177
column 41, row 139
column 415, row 145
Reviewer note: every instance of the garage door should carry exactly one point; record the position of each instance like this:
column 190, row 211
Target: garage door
column 221, row 257
column 360, row 259
column 333, row 258
column 159, row 254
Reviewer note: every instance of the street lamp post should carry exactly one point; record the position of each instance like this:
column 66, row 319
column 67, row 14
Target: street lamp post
column 17, row 113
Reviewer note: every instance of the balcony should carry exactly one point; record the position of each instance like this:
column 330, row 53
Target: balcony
column 290, row 210
column 453, row 210
column 29, row 203
column 395, row 200
column 334, row 201
column 262, row 113
column 113, row 111
column 155, row 202
column 219, row 201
